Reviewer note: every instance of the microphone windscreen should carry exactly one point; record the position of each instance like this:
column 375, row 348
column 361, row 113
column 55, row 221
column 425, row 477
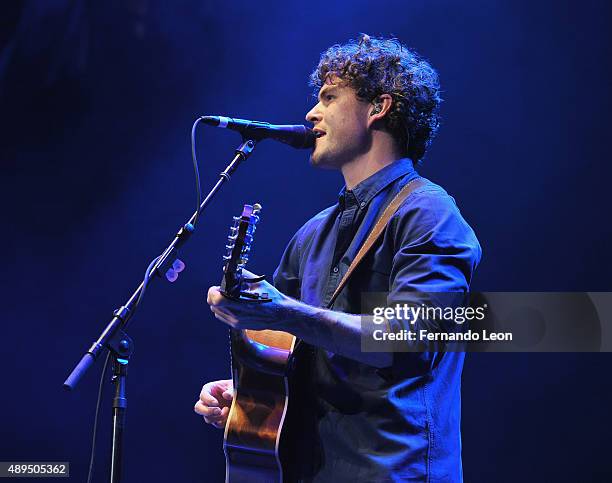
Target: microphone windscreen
column 306, row 141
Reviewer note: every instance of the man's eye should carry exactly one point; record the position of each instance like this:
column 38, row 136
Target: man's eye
column 329, row 97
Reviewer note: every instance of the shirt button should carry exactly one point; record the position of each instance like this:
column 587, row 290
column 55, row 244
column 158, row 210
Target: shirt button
column 362, row 204
column 335, row 269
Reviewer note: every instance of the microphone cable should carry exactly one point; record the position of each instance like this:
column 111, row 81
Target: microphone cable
column 145, row 282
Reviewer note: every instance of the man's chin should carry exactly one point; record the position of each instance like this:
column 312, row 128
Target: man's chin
column 318, row 160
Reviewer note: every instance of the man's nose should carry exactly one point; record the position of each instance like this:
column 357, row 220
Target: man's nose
column 314, row 115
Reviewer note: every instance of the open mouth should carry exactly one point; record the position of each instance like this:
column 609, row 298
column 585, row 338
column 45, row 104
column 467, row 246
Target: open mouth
column 319, row 134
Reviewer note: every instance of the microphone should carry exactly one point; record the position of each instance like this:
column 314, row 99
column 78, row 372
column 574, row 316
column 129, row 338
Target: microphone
column 296, row 136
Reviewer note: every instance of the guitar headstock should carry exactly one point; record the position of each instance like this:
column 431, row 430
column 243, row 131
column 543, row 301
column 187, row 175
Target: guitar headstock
column 238, row 248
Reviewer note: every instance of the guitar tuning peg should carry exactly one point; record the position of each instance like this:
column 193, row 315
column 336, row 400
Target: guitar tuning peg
column 236, row 218
column 226, row 257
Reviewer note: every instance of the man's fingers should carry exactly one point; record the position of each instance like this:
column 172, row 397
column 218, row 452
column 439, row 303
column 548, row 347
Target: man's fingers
column 215, row 416
column 216, row 422
column 253, row 286
column 207, row 411
column 224, row 315
column 216, row 300
column 219, row 314
column 206, row 395
column 220, row 421
column 213, row 395
column 214, row 296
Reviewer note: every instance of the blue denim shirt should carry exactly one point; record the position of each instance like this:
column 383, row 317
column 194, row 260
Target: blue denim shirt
column 400, row 423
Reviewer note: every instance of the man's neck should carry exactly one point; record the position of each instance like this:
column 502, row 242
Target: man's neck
column 364, row 166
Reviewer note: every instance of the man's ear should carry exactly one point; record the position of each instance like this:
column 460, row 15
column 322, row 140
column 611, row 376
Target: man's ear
column 380, row 107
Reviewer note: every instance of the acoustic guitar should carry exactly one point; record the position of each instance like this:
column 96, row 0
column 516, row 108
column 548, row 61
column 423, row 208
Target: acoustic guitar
column 260, row 363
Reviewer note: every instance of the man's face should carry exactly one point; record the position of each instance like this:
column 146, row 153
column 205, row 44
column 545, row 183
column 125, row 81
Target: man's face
column 341, row 121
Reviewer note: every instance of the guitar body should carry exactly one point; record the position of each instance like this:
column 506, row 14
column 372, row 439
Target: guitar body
column 254, row 428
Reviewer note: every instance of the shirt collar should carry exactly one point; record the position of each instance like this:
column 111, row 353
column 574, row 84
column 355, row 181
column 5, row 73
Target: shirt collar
column 370, row 187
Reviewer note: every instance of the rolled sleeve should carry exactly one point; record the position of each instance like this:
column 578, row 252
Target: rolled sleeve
column 436, row 255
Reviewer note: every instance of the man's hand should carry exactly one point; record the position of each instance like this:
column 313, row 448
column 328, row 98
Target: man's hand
column 252, row 315
column 215, row 401
column 334, row 331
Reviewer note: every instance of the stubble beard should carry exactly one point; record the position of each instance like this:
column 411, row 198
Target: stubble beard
column 325, row 157
column 317, row 157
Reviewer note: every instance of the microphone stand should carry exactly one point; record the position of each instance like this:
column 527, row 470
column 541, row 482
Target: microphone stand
column 119, row 343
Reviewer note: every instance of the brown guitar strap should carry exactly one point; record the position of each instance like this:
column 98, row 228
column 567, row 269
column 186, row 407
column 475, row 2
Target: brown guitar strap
column 379, row 227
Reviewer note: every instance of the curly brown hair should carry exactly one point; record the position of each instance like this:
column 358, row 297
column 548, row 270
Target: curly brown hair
column 374, row 66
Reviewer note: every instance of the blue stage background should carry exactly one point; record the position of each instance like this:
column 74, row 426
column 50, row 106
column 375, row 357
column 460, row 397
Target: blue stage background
column 97, row 102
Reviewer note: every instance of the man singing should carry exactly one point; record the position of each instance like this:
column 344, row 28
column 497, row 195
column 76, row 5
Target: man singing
column 380, row 416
